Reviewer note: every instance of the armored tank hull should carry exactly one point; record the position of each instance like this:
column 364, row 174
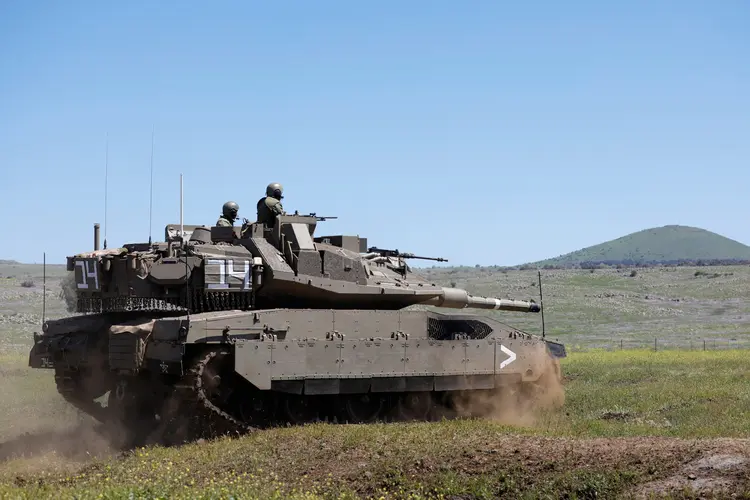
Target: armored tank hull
column 182, row 344
column 242, row 370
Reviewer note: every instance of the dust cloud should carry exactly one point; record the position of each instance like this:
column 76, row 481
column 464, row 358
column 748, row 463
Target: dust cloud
column 69, row 435
column 84, row 441
column 35, row 421
column 47, row 425
column 516, row 404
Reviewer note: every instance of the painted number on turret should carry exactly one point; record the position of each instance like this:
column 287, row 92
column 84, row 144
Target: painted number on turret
column 87, row 275
column 220, row 274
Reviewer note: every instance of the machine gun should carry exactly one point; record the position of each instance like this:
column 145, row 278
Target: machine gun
column 397, row 254
column 322, row 218
column 316, row 217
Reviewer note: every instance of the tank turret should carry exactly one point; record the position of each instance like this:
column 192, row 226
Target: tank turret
column 245, row 326
column 225, row 268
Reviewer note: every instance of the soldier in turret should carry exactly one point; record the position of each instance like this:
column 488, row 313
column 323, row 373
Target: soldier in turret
column 228, row 214
column 270, row 205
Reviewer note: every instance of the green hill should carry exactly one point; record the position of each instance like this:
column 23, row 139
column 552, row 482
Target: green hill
column 660, row 245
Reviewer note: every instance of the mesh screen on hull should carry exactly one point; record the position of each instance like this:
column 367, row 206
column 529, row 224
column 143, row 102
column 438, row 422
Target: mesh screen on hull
column 452, row 329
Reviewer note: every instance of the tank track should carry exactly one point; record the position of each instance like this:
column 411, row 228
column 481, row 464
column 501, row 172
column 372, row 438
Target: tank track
column 67, row 385
column 194, row 406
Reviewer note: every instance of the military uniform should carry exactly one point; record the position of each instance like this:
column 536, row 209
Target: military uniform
column 228, row 214
column 270, row 205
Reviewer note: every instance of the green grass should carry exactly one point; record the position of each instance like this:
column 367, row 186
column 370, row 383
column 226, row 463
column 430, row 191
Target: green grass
column 629, row 417
column 632, row 393
column 607, row 308
column 660, row 244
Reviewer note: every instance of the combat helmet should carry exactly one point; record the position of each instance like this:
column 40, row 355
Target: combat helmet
column 230, row 209
column 275, row 190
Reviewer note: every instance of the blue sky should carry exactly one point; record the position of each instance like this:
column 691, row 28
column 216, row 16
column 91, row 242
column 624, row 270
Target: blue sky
column 483, row 132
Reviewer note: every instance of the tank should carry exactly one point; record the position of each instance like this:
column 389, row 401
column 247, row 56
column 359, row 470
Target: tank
column 221, row 330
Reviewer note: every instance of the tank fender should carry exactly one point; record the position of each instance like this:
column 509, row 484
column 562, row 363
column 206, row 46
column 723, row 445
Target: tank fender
column 171, row 329
column 166, row 346
column 67, row 350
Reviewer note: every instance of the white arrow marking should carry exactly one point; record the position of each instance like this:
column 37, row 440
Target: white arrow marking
column 511, row 356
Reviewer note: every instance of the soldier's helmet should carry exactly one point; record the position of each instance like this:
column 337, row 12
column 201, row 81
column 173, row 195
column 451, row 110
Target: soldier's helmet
column 275, row 190
column 230, row 210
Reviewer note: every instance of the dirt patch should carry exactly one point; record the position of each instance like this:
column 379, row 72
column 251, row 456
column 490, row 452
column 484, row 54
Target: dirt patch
column 712, row 474
column 637, row 467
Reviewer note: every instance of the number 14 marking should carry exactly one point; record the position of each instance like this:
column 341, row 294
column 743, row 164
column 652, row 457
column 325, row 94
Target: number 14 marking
column 86, row 273
column 226, row 268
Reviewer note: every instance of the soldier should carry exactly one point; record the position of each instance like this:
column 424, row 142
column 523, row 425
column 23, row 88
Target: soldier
column 228, row 214
column 270, row 205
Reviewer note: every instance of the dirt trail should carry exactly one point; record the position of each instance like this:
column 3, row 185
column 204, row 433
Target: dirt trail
column 720, row 471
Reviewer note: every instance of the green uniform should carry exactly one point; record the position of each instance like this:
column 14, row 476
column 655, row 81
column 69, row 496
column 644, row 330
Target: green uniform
column 268, row 208
column 223, row 221
column 228, row 214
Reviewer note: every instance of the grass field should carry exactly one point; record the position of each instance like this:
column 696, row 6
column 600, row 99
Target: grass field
column 634, row 422
column 680, row 307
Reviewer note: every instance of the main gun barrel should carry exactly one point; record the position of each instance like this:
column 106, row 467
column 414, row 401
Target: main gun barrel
column 456, row 298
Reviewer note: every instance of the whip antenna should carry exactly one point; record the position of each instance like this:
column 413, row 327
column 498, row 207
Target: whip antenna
column 44, row 288
column 106, row 175
column 541, row 300
column 151, row 188
column 188, row 293
column 182, row 225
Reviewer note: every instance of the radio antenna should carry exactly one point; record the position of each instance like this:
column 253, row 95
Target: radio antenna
column 188, row 293
column 182, row 225
column 44, row 288
column 541, row 300
column 151, row 189
column 106, row 175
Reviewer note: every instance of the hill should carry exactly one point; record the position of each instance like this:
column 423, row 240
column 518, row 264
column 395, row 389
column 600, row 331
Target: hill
column 673, row 244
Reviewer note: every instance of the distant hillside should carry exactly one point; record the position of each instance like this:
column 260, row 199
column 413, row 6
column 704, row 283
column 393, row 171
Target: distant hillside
column 660, row 245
